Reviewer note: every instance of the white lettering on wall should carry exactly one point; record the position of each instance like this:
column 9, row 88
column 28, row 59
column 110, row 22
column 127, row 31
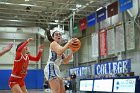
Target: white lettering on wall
column 112, row 67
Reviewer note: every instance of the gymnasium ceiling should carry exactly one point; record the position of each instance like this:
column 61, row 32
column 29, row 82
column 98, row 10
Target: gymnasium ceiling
column 22, row 13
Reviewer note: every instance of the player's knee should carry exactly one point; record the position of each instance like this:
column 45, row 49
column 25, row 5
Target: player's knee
column 25, row 92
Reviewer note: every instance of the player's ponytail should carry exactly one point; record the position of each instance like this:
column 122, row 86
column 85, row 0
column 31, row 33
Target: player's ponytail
column 49, row 36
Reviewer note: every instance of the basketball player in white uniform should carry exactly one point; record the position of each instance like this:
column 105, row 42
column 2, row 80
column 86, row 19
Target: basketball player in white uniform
column 56, row 57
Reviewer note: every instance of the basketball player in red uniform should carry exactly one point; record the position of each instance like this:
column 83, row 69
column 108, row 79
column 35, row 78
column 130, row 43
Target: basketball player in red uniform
column 6, row 49
column 22, row 58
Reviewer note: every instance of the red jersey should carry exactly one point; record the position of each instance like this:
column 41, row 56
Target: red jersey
column 21, row 61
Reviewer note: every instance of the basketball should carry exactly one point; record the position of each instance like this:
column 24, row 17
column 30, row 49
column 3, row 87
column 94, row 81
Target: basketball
column 75, row 46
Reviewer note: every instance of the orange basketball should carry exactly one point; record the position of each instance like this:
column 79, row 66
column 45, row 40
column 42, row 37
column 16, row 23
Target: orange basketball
column 75, row 46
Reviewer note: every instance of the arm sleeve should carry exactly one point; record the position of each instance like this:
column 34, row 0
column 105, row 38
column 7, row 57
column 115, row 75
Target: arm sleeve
column 22, row 46
column 32, row 58
column 18, row 56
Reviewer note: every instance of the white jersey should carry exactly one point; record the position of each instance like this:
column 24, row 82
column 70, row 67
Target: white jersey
column 53, row 57
column 52, row 68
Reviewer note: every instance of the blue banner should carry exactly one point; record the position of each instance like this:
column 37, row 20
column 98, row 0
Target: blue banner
column 91, row 19
column 120, row 66
column 125, row 4
column 83, row 71
column 101, row 14
column 77, row 71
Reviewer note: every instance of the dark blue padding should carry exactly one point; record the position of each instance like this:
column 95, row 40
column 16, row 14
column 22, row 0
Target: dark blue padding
column 33, row 80
column 4, row 77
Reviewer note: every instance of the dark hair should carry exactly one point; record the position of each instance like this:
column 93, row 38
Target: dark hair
column 19, row 45
column 49, row 35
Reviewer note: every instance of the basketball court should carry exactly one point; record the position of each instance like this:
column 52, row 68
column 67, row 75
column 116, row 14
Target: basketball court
column 105, row 58
column 29, row 91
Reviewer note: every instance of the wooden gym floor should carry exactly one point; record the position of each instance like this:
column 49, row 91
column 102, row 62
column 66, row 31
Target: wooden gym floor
column 29, row 91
